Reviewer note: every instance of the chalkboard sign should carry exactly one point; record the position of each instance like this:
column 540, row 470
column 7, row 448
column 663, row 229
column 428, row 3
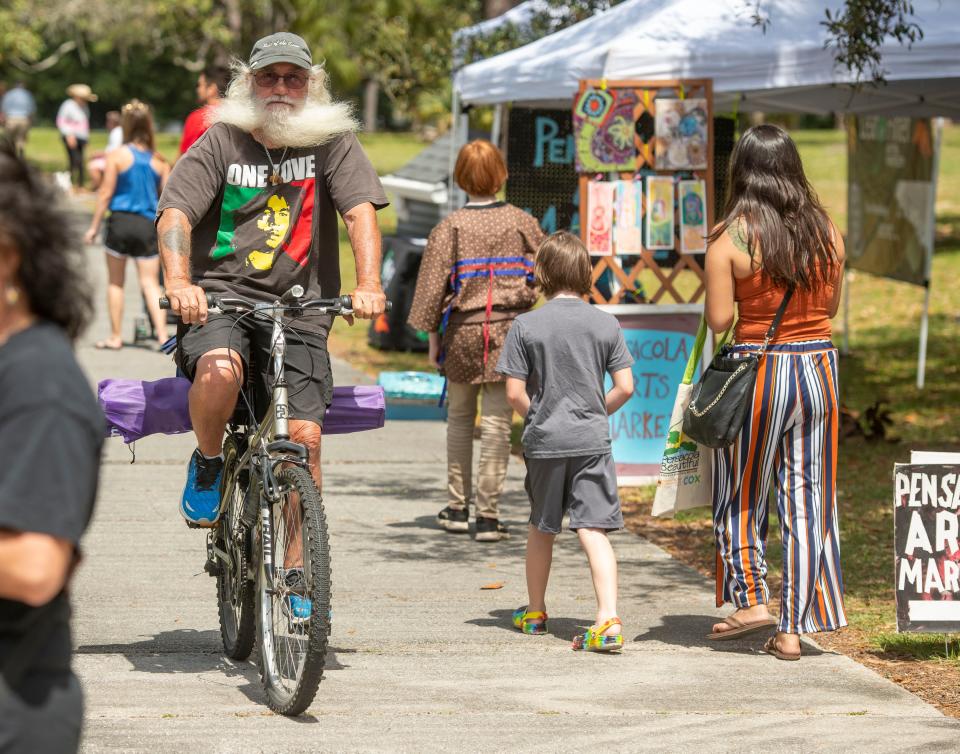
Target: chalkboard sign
column 542, row 179
column 926, row 530
column 660, row 338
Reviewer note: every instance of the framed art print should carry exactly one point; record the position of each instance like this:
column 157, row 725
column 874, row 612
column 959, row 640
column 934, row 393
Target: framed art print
column 660, row 229
column 629, row 214
column 681, row 132
column 693, row 216
column 600, row 195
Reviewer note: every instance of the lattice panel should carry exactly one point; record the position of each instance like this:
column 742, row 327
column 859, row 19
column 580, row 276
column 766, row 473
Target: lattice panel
column 666, row 275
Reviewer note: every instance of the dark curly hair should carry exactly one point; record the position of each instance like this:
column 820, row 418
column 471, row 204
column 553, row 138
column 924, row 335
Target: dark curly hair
column 35, row 224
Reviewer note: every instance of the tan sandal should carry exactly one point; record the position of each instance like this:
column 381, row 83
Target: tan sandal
column 771, row 648
column 740, row 628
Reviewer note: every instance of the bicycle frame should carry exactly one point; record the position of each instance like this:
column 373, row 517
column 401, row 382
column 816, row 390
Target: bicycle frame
column 270, row 445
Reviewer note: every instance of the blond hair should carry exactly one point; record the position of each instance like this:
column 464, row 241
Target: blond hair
column 137, row 124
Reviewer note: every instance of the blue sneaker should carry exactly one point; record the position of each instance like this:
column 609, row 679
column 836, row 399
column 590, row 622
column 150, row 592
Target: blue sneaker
column 296, row 605
column 200, row 504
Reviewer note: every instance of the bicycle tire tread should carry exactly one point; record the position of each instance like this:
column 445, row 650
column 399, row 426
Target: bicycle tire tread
column 318, row 549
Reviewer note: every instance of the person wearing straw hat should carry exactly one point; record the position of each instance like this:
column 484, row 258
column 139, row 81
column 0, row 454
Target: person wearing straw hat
column 73, row 122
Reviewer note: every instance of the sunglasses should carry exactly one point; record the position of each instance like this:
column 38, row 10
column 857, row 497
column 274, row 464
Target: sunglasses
column 268, row 80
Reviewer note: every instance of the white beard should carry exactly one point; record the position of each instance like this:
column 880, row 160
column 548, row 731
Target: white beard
column 315, row 124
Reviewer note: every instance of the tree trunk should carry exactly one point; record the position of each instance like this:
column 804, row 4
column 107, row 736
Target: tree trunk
column 494, row 8
column 371, row 97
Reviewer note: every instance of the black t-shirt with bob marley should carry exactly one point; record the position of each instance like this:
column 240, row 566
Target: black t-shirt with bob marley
column 255, row 236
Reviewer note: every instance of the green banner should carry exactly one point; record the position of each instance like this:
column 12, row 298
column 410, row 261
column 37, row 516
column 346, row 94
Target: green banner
column 889, row 191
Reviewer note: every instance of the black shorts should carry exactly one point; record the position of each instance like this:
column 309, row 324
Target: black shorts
column 309, row 379
column 130, row 235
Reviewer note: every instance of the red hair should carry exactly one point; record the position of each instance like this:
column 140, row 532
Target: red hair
column 480, row 168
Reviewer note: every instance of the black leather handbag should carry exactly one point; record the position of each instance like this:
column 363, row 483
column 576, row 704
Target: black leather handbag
column 720, row 400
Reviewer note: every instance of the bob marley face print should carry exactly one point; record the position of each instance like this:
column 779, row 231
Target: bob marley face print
column 275, row 221
column 260, row 223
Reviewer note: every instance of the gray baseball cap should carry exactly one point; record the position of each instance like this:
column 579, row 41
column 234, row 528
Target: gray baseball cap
column 282, row 47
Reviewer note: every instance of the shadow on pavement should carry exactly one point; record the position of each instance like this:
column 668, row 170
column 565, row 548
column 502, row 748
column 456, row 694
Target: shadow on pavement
column 187, row 650
column 692, row 630
column 560, row 628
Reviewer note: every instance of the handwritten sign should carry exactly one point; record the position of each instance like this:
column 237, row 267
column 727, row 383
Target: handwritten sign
column 660, row 338
column 540, row 161
column 926, row 530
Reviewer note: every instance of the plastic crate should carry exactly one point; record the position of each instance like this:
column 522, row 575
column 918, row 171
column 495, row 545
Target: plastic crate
column 413, row 395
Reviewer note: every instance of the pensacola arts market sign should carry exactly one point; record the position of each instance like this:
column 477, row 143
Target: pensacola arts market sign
column 927, row 553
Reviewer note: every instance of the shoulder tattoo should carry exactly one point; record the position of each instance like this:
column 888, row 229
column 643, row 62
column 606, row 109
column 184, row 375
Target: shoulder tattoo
column 738, row 235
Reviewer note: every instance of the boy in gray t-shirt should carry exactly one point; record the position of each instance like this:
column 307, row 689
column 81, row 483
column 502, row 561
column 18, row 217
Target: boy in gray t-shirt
column 555, row 359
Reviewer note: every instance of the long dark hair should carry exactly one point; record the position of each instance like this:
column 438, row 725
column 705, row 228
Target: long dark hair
column 780, row 212
column 36, row 226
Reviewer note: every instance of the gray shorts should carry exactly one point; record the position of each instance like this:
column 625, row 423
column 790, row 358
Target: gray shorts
column 583, row 486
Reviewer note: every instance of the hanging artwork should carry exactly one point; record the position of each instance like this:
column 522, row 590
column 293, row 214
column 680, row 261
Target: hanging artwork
column 693, row 216
column 681, row 133
column 603, row 129
column 628, row 217
column 600, row 217
column 659, row 212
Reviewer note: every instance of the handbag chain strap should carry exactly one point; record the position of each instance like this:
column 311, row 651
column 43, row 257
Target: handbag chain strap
column 716, row 400
column 777, row 318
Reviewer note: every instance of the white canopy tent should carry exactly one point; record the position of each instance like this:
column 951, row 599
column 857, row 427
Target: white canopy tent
column 785, row 69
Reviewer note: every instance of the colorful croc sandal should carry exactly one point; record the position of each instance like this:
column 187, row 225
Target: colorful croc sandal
column 593, row 640
column 534, row 623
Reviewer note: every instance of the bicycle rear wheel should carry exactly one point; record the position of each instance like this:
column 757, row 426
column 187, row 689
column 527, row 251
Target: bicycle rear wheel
column 294, row 614
column 235, row 591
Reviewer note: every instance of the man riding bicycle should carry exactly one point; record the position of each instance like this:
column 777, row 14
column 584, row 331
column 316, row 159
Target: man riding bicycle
column 249, row 211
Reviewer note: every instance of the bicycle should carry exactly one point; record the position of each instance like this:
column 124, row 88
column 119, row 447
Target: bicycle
column 271, row 515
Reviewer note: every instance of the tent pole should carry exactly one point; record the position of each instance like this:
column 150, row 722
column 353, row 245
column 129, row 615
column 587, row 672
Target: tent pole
column 928, row 267
column 452, row 157
column 845, row 350
column 497, row 124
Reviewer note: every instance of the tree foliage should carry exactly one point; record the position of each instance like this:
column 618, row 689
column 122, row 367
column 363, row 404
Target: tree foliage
column 858, row 30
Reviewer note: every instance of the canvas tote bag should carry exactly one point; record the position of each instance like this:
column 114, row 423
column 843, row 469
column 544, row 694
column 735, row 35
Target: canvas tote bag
column 686, row 468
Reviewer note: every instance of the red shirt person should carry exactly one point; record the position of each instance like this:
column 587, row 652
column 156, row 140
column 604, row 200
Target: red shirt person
column 211, row 85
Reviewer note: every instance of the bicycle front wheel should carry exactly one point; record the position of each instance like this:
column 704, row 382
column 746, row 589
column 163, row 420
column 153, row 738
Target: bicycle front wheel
column 295, row 600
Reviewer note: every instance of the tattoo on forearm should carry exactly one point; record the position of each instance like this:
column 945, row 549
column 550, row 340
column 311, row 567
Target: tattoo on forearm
column 176, row 240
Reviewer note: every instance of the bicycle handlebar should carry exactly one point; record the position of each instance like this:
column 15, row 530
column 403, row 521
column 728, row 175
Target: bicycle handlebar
column 340, row 305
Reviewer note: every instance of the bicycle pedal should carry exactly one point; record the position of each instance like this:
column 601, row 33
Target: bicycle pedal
column 212, row 568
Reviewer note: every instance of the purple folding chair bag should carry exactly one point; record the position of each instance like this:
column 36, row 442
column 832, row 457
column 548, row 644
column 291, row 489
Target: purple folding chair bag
column 137, row 408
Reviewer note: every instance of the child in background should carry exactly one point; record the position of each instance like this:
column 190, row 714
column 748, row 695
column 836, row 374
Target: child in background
column 555, row 359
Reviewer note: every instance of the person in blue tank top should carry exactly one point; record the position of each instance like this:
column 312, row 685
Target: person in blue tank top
column 133, row 177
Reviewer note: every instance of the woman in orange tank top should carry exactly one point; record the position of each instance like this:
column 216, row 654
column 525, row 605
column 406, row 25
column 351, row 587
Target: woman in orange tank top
column 775, row 237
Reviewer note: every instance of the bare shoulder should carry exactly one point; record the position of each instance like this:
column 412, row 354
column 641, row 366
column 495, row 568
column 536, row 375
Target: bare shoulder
column 722, row 247
column 837, row 241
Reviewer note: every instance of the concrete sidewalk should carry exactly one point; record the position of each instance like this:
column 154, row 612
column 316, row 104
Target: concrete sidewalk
column 422, row 659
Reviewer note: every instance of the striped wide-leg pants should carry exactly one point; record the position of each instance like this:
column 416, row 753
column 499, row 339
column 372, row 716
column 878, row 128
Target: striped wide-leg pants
column 790, row 438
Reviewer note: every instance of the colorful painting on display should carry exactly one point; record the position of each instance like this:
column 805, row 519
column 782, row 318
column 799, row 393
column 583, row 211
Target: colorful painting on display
column 693, row 216
column 629, row 217
column 603, row 129
column 681, row 132
column 600, row 214
column 660, row 228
